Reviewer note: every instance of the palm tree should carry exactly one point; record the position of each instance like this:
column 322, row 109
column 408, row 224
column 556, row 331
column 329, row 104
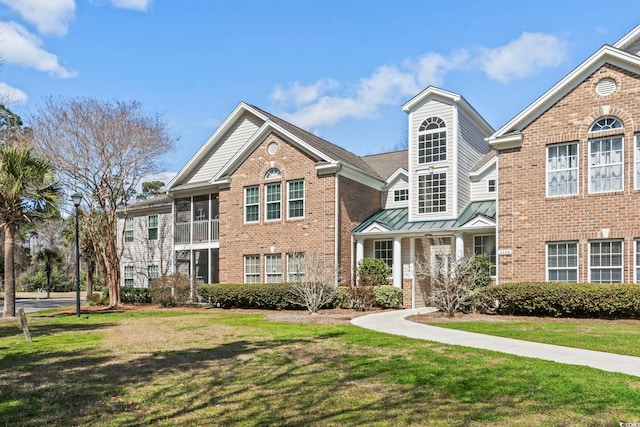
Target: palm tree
column 28, row 190
column 49, row 258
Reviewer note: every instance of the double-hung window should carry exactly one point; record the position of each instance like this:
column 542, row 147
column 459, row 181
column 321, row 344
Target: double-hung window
column 637, row 161
column 432, row 193
column 252, row 204
column 636, row 256
column 432, row 141
column 605, row 157
column 295, row 267
column 486, row 245
column 562, row 262
column 128, row 229
column 152, row 229
column 605, row 261
column 252, row 269
column 562, row 169
column 295, row 206
column 152, row 271
column 383, row 249
column 273, row 268
column 128, row 275
column 401, row 195
column 273, row 198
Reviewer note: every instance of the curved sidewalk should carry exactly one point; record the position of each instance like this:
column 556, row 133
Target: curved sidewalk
column 395, row 322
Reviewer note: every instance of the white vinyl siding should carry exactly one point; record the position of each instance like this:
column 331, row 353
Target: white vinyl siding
column 394, row 191
column 252, row 269
column 562, row 262
column 606, row 261
column 471, row 146
column 562, row 169
column 220, row 154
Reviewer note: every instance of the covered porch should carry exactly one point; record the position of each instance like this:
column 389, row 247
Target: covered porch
column 403, row 245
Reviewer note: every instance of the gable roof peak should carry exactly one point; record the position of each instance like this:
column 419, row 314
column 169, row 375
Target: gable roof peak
column 628, row 39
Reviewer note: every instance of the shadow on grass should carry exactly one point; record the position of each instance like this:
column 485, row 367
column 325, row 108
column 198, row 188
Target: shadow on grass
column 298, row 381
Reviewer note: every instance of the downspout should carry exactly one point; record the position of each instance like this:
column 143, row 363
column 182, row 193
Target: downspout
column 337, row 230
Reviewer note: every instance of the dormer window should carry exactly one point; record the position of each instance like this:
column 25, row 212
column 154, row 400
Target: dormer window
column 432, row 141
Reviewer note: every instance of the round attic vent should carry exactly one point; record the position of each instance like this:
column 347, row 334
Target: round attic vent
column 272, row 148
column 606, row 86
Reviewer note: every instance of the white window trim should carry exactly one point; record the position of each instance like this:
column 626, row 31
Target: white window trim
column 401, row 195
column 387, row 241
column 157, row 227
column 446, row 194
column 267, row 274
column 244, row 258
column 495, row 241
column 132, row 268
column 420, row 133
column 636, row 264
column 603, row 241
column 244, row 214
column 267, row 203
column 128, row 230
column 621, row 163
column 295, row 256
column 289, row 200
column 546, row 258
column 151, row 265
column 636, row 162
column 577, row 169
column 492, row 183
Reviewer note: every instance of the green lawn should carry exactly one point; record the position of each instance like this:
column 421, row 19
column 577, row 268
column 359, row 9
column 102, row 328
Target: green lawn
column 217, row 368
column 605, row 336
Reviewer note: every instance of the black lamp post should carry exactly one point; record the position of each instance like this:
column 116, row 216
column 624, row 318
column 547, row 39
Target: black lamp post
column 77, row 198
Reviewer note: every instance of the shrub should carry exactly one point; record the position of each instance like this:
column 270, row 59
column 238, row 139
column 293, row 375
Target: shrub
column 373, row 272
column 565, row 299
column 170, row 290
column 129, row 294
column 272, row 296
column 387, row 296
column 96, row 298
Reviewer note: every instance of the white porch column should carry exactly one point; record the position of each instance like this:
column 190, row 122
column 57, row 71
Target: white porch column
column 459, row 246
column 397, row 262
column 359, row 251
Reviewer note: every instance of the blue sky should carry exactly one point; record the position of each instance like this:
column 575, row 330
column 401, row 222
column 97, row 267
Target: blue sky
column 339, row 68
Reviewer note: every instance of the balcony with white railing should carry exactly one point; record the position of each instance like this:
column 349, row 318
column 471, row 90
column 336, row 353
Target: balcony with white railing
column 204, row 231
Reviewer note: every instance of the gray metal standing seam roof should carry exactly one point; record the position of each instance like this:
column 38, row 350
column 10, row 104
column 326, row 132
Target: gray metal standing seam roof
column 398, row 219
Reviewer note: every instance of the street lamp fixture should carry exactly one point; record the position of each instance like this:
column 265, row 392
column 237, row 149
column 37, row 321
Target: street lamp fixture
column 77, row 199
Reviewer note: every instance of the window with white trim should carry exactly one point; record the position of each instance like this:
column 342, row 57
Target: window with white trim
column 128, row 229
column 383, row 249
column 295, row 201
column 605, row 158
column 562, row 262
column 128, row 275
column 272, row 174
column 401, row 195
column 637, row 161
column 486, row 244
column 562, row 169
column 637, row 261
column 152, row 227
column 432, row 141
column 273, row 201
column 153, row 271
column 491, row 186
column 295, row 267
column 606, row 261
column 273, row 268
column 252, row 204
column 432, row 193
column 252, row 269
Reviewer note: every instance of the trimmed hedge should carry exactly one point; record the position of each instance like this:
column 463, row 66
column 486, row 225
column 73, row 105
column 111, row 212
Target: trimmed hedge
column 387, row 296
column 131, row 295
column 561, row 299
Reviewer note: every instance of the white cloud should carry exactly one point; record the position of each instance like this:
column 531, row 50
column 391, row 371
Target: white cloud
column 19, row 47
column 387, row 85
column 49, row 16
column 131, row 4
column 11, row 95
column 523, row 57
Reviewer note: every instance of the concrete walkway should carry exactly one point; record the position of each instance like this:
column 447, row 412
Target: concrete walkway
column 395, row 322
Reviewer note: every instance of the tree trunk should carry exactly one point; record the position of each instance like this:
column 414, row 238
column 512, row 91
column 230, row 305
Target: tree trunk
column 91, row 265
column 9, row 274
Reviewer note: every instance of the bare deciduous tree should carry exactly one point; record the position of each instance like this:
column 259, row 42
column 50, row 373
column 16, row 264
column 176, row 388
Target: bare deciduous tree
column 314, row 284
column 102, row 150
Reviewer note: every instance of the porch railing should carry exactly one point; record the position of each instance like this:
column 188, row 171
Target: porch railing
column 197, row 231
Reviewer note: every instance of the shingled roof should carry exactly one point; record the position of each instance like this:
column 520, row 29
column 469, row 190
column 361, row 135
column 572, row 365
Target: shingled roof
column 386, row 164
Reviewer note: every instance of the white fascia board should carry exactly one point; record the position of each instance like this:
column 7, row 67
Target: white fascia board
column 240, row 109
column 396, row 175
column 360, row 176
column 479, row 222
column 628, row 39
column 606, row 54
column 487, row 166
column 375, row 228
column 328, row 168
column 506, row 142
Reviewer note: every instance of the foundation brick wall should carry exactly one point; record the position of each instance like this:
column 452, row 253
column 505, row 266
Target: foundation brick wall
column 407, row 293
column 357, row 203
column 527, row 219
column 313, row 235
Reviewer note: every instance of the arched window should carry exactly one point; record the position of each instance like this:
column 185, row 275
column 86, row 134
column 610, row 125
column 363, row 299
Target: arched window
column 272, row 174
column 605, row 157
column 432, row 140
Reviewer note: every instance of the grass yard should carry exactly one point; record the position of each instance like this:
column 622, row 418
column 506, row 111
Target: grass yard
column 169, row 367
column 621, row 337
